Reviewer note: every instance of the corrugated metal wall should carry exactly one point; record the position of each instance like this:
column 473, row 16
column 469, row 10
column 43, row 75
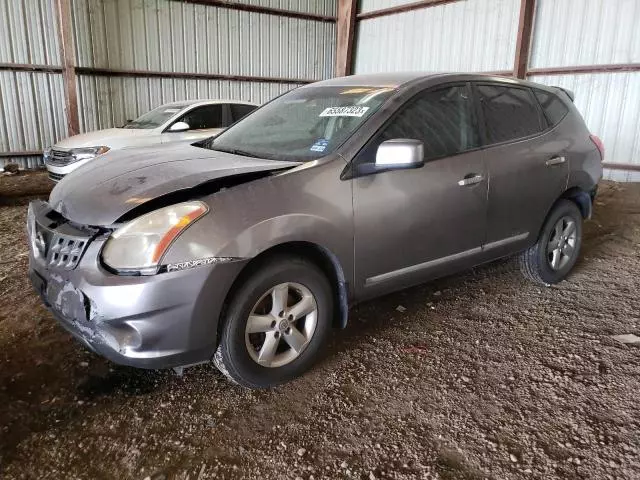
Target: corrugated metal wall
column 372, row 5
column 172, row 36
column 585, row 32
column 33, row 110
column 28, row 32
column 149, row 35
column 31, row 103
column 478, row 35
column 595, row 32
column 320, row 7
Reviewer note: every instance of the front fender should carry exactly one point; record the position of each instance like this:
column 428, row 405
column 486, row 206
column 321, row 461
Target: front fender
column 285, row 228
column 204, row 240
column 308, row 204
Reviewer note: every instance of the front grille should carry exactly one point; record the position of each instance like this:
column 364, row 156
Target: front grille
column 59, row 158
column 65, row 252
column 60, row 245
column 56, row 177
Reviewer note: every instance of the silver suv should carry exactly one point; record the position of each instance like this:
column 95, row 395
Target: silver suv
column 247, row 248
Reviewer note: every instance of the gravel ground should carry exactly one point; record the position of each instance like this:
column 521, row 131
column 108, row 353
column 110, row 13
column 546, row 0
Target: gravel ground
column 480, row 375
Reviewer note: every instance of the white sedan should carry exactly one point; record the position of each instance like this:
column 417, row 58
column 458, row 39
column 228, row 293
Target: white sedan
column 173, row 122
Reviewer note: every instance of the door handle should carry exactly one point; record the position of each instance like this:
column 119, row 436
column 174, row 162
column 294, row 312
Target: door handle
column 470, row 179
column 555, row 161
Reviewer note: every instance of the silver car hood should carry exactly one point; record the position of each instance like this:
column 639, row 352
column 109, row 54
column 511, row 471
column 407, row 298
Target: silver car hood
column 103, row 190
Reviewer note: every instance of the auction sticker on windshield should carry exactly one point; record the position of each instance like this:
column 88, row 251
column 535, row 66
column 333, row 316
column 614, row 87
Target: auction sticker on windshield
column 354, row 111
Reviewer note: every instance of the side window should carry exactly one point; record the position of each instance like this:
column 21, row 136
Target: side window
column 209, row 116
column 554, row 108
column 239, row 110
column 442, row 119
column 509, row 113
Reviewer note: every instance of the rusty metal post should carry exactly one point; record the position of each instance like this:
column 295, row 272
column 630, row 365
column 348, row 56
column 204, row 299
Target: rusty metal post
column 67, row 52
column 525, row 32
column 345, row 29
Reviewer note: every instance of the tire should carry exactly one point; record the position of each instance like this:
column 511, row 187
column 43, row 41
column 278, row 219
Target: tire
column 260, row 295
column 537, row 262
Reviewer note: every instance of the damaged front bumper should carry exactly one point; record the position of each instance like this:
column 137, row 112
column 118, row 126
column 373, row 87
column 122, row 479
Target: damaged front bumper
column 158, row 321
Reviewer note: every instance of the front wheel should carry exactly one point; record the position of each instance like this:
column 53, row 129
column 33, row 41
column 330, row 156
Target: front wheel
column 555, row 253
column 275, row 323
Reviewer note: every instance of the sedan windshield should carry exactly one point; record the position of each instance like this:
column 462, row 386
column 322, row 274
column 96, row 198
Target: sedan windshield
column 302, row 125
column 156, row 117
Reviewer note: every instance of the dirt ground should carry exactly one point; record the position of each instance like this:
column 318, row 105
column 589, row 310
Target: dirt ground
column 482, row 376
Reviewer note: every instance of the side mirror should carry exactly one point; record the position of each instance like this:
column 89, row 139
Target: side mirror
column 399, row 153
column 179, row 127
column 396, row 154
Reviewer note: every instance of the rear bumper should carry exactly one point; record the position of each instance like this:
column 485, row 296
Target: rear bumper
column 157, row 321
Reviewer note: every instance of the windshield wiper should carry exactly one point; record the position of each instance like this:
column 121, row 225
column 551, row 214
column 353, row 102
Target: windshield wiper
column 235, row 151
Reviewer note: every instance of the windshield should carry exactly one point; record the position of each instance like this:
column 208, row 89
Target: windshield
column 302, row 125
column 156, row 117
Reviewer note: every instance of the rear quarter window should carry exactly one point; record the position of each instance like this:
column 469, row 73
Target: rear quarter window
column 509, row 113
column 554, row 108
column 239, row 110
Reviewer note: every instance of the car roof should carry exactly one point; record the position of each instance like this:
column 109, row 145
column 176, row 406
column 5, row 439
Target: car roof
column 398, row 79
column 389, row 79
column 205, row 101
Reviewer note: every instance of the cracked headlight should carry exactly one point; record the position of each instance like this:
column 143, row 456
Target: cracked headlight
column 139, row 245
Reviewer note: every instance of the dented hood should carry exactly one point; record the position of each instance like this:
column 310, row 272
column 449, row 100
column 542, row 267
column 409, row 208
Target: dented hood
column 103, row 190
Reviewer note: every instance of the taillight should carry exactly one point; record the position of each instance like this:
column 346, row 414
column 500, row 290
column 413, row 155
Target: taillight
column 599, row 145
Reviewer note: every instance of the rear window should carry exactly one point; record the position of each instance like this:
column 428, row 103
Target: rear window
column 509, row 113
column 554, row 108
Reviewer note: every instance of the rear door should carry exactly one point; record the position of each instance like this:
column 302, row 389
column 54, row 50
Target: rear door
column 411, row 225
column 528, row 169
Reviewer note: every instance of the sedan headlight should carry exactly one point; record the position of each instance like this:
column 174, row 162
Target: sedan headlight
column 87, row 153
column 65, row 157
column 139, row 245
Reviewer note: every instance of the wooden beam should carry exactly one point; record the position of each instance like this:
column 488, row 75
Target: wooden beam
column 67, row 52
column 24, row 67
column 118, row 72
column 267, row 10
column 383, row 12
column 345, row 35
column 606, row 68
column 525, row 31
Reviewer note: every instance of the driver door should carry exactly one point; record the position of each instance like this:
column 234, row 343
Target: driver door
column 203, row 122
column 416, row 224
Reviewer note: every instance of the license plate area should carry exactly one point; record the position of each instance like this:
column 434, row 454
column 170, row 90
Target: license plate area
column 39, row 285
column 67, row 301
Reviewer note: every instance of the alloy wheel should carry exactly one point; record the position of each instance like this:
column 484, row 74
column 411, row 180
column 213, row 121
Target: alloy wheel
column 281, row 325
column 562, row 243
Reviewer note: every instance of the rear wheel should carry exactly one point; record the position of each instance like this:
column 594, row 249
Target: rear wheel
column 556, row 251
column 275, row 324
